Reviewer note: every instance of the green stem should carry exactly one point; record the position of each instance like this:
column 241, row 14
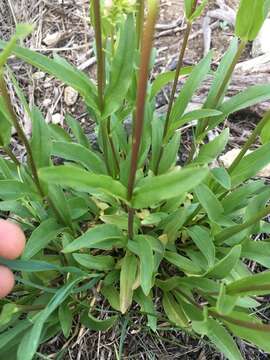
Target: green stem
column 146, row 48
column 227, row 233
column 116, row 163
column 172, row 95
column 11, row 155
column 251, row 140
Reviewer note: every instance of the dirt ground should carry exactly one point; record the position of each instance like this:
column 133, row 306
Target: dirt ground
column 69, row 19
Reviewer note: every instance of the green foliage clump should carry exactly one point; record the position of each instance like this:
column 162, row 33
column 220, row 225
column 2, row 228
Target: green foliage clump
column 129, row 220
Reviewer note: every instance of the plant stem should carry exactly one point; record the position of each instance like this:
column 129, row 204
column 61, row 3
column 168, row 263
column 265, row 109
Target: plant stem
column 112, row 146
column 174, row 87
column 227, row 233
column 101, row 79
column 250, row 141
column 146, row 48
column 139, row 21
column 11, row 155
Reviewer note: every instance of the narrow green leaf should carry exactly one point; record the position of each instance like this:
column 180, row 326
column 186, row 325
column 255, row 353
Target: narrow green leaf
column 121, row 69
column 80, row 154
column 41, row 237
column 163, row 79
column 82, row 180
column 96, row 262
column 258, row 284
column 77, row 131
column 221, row 176
column 224, row 266
column 182, row 262
column 210, row 151
column 204, row 242
column 191, row 85
column 127, row 280
column 147, row 306
column 13, row 190
column 146, row 262
column 92, row 323
column 31, row 339
column 174, row 310
column 265, row 133
column 65, row 318
column 163, row 187
column 104, row 236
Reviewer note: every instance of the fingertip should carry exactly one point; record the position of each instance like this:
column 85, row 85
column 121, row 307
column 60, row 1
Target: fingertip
column 12, row 240
column 7, row 281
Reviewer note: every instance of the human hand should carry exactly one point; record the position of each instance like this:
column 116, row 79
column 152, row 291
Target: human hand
column 12, row 242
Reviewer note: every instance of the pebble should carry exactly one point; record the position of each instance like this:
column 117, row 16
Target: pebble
column 38, row 75
column 47, row 102
column 70, row 96
column 57, row 118
column 52, row 39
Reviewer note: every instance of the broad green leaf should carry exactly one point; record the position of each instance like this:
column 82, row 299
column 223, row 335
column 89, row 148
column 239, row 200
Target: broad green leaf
column 112, row 295
column 96, row 262
column 182, row 262
column 14, row 189
column 99, row 237
column 65, row 318
column 146, row 262
column 224, row 266
column 69, row 75
column 211, row 204
column 210, row 151
column 250, row 165
column 258, row 251
column 163, row 79
column 121, row 69
column 127, row 279
column 80, row 154
column 163, row 187
column 77, row 131
column 41, row 237
column 223, row 340
column 14, row 332
column 265, row 133
column 5, row 124
column 191, row 85
column 59, row 200
column 7, row 312
column 257, row 284
column 174, row 310
column 57, row 133
column 225, row 303
column 40, row 141
column 193, row 115
column 170, row 153
column 221, row 176
column 147, row 306
column 82, row 180
column 247, row 25
column 31, row 339
column 257, row 333
column 93, row 323
column 204, row 242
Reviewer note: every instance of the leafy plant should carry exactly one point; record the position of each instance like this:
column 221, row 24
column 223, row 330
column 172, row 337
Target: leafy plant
column 128, row 219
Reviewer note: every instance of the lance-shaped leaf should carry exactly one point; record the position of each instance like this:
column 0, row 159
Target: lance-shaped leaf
column 258, row 284
column 127, row 279
column 93, row 323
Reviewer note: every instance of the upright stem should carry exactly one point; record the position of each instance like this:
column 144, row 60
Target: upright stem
column 146, row 48
column 174, row 87
column 101, row 78
column 11, row 155
column 250, row 141
column 139, row 21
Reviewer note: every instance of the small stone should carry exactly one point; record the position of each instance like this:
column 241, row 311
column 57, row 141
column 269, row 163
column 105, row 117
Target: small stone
column 38, row 75
column 57, row 118
column 70, row 96
column 47, row 102
column 261, row 45
column 228, row 158
column 53, row 39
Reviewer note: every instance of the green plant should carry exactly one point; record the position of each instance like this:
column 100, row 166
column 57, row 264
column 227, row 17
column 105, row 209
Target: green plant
column 129, row 220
